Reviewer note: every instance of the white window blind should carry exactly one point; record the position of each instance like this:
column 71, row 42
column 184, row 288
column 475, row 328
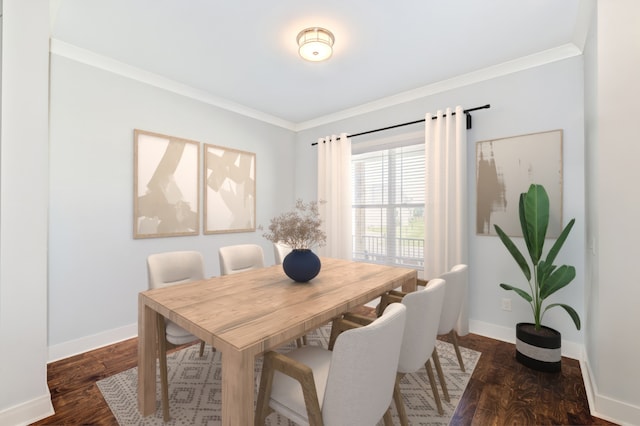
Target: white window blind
column 388, row 205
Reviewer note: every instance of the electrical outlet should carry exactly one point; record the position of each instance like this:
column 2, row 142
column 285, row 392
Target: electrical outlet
column 506, row 304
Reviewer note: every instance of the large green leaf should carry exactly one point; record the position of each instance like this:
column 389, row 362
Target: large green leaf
column 555, row 249
column 557, row 280
column 517, row 255
column 536, row 213
column 523, row 221
column 572, row 313
column 544, row 270
column 526, row 296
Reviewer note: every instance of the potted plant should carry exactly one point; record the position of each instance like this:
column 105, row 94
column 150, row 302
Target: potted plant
column 537, row 346
column 300, row 229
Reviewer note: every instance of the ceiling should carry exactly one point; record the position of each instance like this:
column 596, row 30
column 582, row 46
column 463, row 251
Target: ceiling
column 245, row 52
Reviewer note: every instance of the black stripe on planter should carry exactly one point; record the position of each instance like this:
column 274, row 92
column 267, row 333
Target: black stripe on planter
column 552, row 339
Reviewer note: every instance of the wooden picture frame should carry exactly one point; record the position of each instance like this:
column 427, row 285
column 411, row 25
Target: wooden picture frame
column 166, row 186
column 505, row 168
column 230, row 190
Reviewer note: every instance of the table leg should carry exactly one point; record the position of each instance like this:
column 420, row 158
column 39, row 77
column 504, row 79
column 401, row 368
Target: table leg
column 237, row 388
column 146, row 359
column 409, row 286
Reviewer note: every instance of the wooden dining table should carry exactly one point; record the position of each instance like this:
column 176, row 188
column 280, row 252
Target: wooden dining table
column 243, row 315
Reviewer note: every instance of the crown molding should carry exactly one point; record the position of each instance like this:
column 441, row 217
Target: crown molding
column 586, row 12
column 565, row 51
column 87, row 57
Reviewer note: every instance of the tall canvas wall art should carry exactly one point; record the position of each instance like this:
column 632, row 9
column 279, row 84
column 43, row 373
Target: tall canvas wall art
column 230, row 190
column 166, row 186
column 505, row 168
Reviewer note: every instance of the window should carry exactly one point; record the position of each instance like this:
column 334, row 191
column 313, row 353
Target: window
column 388, row 203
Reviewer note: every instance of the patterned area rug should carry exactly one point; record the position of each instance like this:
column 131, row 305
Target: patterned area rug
column 195, row 388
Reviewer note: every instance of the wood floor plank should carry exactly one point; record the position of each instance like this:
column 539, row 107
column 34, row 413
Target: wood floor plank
column 504, row 392
column 501, row 391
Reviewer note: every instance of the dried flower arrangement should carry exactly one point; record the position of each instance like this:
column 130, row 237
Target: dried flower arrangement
column 298, row 228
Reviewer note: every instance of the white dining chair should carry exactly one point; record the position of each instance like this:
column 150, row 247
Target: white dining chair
column 163, row 270
column 456, row 279
column 420, row 334
column 419, row 339
column 455, row 289
column 240, row 258
column 351, row 385
column 280, row 251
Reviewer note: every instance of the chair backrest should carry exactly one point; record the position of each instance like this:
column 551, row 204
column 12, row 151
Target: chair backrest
column 176, row 267
column 280, row 251
column 420, row 333
column 240, row 258
column 363, row 370
column 456, row 282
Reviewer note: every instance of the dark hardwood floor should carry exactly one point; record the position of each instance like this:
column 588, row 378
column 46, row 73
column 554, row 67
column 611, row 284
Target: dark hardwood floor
column 500, row 392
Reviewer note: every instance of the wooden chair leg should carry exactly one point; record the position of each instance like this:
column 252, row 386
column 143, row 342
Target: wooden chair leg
column 454, row 338
column 388, row 420
column 264, row 393
column 304, row 340
column 335, row 331
column 443, row 383
column 434, row 386
column 201, row 348
column 162, row 359
column 310, row 396
column 397, row 398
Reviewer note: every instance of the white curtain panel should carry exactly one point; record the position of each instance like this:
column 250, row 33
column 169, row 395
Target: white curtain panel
column 446, row 236
column 334, row 195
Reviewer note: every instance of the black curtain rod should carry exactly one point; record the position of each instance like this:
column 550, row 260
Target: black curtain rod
column 466, row 111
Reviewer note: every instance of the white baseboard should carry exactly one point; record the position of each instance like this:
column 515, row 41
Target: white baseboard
column 505, row 334
column 604, row 407
column 88, row 343
column 27, row 412
column 508, row 334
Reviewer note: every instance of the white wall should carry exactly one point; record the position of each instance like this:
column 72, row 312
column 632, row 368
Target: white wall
column 96, row 267
column 613, row 91
column 24, row 172
column 544, row 98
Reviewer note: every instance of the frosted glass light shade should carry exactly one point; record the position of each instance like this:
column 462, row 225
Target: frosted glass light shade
column 315, row 44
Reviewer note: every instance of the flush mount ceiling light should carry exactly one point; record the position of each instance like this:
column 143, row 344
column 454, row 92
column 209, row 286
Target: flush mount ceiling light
column 315, row 44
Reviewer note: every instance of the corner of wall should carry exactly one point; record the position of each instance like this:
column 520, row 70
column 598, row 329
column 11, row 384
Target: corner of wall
column 604, row 407
column 28, row 412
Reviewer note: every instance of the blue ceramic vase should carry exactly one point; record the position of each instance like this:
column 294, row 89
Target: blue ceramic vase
column 301, row 265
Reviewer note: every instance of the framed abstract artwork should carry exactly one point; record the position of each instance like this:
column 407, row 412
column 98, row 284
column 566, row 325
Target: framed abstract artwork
column 230, row 190
column 166, row 186
column 505, row 168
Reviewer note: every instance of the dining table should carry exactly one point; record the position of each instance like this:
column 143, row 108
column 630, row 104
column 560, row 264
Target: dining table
column 243, row 315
